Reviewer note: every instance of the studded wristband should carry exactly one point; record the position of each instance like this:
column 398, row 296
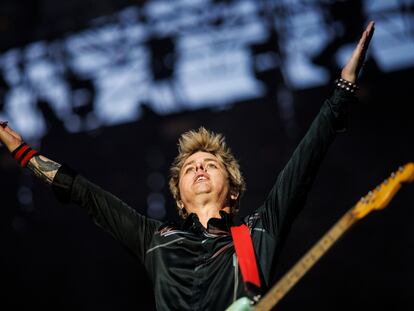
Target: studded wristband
column 346, row 85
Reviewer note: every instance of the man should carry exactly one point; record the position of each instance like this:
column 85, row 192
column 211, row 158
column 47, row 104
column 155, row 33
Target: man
column 193, row 265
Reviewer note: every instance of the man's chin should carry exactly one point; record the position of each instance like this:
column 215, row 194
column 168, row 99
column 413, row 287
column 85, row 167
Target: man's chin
column 202, row 187
column 202, row 191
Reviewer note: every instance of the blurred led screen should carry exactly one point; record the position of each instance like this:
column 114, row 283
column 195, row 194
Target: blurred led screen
column 174, row 56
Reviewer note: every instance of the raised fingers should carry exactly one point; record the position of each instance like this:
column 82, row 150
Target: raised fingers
column 10, row 131
column 367, row 35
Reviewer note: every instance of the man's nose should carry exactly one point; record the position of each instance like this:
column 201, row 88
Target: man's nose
column 199, row 166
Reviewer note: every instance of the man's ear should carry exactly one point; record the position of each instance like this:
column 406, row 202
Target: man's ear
column 180, row 204
column 234, row 195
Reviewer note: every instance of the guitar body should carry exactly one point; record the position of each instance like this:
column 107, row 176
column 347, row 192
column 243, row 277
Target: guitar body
column 242, row 304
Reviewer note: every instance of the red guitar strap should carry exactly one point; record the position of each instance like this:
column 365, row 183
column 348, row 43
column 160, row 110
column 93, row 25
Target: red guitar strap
column 245, row 254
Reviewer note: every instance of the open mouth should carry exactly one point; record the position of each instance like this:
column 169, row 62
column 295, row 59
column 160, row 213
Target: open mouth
column 200, row 178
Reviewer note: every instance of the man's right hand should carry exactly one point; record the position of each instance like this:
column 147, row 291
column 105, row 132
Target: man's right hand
column 10, row 138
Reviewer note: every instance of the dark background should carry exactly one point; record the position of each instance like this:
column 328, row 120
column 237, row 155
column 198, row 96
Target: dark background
column 53, row 257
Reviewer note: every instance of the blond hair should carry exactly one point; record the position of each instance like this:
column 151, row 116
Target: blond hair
column 207, row 141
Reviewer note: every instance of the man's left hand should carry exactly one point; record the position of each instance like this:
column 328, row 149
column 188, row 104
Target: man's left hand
column 352, row 68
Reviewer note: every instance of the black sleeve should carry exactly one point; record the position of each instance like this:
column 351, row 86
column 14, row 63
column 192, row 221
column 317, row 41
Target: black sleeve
column 132, row 229
column 289, row 193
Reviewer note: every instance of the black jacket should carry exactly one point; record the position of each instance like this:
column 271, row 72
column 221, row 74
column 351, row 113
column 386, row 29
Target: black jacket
column 192, row 268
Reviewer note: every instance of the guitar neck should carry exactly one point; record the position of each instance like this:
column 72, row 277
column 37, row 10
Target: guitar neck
column 279, row 290
column 374, row 200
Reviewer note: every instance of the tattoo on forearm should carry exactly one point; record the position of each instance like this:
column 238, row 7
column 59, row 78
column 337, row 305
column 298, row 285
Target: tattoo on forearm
column 43, row 168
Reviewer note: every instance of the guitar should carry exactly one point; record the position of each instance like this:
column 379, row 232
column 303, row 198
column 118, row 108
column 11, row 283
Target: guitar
column 376, row 199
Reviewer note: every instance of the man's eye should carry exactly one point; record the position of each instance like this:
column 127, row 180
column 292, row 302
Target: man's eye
column 211, row 165
column 189, row 170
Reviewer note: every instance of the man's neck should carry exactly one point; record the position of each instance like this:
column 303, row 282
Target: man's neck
column 208, row 211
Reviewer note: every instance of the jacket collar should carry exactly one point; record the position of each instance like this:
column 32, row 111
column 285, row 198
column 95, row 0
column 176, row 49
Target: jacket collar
column 216, row 226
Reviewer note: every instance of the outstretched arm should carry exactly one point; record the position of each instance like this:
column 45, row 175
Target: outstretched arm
column 289, row 193
column 133, row 230
column 39, row 165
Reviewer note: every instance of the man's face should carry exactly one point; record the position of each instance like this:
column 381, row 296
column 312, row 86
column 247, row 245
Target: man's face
column 203, row 177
